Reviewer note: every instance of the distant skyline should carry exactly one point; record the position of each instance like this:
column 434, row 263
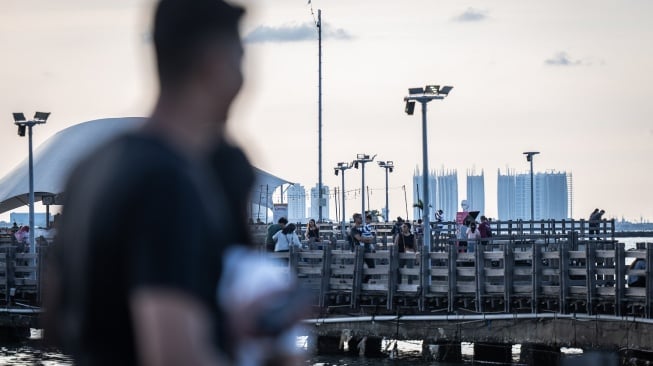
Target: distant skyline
column 570, row 79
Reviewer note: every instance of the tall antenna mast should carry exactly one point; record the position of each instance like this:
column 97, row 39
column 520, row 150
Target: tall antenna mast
column 319, row 112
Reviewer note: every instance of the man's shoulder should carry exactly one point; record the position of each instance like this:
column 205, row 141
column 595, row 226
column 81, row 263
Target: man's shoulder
column 124, row 168
column 130, row 156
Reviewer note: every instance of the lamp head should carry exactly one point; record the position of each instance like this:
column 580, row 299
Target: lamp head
column 445, row 90
column 335, row 171
column 19, row 117
column 410, row 108
column 432, row 89
column 530, row 154
column 41, row 116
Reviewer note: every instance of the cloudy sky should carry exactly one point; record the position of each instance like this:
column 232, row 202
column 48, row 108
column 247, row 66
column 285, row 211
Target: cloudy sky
column 570, row 79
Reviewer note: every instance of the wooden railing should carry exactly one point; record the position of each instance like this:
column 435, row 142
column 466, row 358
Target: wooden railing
column 604, row 229
column 507, row 274
column 20, row 276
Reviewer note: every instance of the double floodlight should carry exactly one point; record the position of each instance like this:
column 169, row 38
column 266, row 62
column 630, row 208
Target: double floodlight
column 362, row 158
column 341, row 166
column 430, row 90
column 389, row 165
column 39, row 117
column 424, row 95
column 23, row 123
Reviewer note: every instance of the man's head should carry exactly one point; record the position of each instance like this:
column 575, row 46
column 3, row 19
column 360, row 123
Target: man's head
column 197, row 43
column 483, row 219
column 358, row 218
column 282, row 221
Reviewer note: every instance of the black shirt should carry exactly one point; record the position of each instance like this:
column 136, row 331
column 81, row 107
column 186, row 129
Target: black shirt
column 138, row 214
column 405, row 242
column 314, row 233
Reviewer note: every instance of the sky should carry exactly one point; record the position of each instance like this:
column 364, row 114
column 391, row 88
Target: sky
column 569, row 79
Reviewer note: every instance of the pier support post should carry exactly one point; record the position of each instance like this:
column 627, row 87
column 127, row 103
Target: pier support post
column 538, row 354
column 442, row 351
column 366, row 346
column 493, row 352
column 328, row 345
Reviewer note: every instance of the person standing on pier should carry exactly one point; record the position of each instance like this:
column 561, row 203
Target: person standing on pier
column 473, row 237
column 312, row 234
column 485, row 229
column 396, row 228
column 357, row 239
column 593, row 222
column 273, row 229
column 128, row 283
column 367, row 230
column 405, row 243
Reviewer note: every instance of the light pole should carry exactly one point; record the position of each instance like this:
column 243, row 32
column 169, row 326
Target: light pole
column 341, row 167
column 23, row 123
column 529, row 158
column 388, row 166
column 423, row 96
column 363, row 159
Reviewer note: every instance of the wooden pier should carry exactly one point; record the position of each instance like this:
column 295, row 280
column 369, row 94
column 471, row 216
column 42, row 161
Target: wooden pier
column 545, row 283
column 20, row 289
column 551, row 283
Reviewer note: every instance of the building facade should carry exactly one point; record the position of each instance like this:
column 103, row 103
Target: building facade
column 443, row 193
column 296, row 195
column 476, row 191
column 315, row 208
column 552, row 196
column 447, row 193
column 418, row 194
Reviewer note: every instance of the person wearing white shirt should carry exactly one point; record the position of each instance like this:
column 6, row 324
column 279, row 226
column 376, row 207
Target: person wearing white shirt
column 286, row 238
column 473, row 235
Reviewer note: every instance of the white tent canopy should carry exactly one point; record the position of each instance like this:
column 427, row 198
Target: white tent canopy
column 56, row 157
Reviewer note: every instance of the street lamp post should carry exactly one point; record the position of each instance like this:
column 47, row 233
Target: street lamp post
column 529, row 158
column 23, row 124
column 423, row 96
column 388, row 166
column 341, row 167
column 363, row 159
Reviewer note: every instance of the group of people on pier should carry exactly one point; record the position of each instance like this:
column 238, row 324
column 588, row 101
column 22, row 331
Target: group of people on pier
column 283, row 235
column 595, row 221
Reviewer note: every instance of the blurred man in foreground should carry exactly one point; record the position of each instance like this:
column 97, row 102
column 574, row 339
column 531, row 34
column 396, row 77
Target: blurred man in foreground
column 149, row 216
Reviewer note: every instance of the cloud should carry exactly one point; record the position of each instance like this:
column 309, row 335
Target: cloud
column 562, row 59
column 471, row 15
column 294, row 33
